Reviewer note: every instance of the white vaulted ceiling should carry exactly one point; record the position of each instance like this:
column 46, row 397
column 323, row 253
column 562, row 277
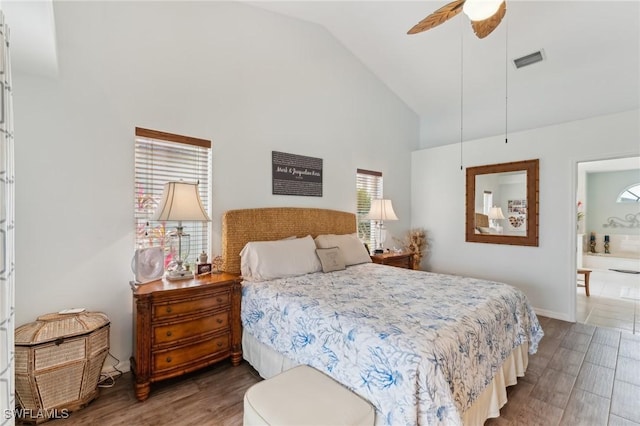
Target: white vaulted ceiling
column 592, row 64
column 454, row 82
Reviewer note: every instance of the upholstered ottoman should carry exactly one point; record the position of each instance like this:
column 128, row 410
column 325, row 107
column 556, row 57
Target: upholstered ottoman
column 304, row 396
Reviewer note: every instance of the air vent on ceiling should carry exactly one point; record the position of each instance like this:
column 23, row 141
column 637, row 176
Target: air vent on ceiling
column 529, row 59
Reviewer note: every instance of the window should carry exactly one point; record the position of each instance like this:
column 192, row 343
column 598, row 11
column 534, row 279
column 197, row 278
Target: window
column 630, row 194
column 369, row 187
column 159, row 158
column 487, row 202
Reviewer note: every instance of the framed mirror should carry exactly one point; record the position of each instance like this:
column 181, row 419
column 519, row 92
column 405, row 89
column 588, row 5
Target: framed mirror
column 502, row 203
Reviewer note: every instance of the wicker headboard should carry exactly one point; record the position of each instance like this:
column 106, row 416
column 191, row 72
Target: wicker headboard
column 267, row 224
column 482, row 220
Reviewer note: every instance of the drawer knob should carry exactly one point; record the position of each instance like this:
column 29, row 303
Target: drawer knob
column 168, row 359
column 219, row 344
column 169, row 333
column 219, row 300
column 219, row 321
column 169, row 310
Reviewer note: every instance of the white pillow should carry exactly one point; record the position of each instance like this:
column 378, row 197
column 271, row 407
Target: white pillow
column 268, row 260
column 350, row 245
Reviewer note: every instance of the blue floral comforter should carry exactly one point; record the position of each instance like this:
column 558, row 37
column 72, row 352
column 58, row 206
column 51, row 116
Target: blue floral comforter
column 419, row 346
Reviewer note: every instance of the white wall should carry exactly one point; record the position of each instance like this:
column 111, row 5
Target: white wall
column 249, row 80
column 545, row 273
column 603, row 190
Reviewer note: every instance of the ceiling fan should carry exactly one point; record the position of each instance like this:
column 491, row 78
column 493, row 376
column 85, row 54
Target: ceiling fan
column 485, row 15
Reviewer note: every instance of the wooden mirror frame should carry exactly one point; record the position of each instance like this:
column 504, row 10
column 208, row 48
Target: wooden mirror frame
column 531, row 167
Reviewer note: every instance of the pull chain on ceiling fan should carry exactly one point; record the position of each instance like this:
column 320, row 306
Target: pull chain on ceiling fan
column 485, row 15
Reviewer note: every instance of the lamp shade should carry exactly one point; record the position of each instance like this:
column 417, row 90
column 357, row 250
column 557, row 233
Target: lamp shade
column 381, row 210
column 479, row 10
column 495, row 213
column 181, row 201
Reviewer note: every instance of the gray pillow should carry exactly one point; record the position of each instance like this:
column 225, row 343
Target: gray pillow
column 331, row 259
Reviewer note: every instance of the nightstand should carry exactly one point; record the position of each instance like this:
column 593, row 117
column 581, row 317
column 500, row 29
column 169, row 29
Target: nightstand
column 182, row 326
column 401, row 260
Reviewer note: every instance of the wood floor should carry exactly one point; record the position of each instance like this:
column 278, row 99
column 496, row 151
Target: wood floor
column 581, row 375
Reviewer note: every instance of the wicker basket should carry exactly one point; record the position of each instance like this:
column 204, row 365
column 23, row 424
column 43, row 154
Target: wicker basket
column 58, row 361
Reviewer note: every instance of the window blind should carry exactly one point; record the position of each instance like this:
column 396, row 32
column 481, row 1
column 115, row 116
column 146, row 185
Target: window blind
column 159, row 158
column 369, row 187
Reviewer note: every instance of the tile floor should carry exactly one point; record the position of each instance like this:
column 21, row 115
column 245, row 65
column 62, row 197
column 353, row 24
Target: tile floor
column 605, row 307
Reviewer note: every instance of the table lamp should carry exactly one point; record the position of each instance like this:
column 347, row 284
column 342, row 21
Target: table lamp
column 495, row 214
column 180, row 202
column 380, row 211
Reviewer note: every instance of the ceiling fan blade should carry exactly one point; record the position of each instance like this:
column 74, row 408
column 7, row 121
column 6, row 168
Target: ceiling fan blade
column 485, row 27
column 441, row 15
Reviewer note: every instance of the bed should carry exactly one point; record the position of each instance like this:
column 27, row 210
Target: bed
column 423, row 348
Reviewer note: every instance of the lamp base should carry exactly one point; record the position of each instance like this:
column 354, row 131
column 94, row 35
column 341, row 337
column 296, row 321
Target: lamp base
column 178, row 275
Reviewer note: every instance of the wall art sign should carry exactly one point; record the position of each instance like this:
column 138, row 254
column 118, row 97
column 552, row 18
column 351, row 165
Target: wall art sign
column 296, row 175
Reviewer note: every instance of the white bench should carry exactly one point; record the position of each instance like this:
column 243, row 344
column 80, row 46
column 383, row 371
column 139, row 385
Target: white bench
column 304, row 396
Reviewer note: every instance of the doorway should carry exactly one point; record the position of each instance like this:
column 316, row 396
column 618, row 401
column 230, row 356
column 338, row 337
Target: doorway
column 608, row 244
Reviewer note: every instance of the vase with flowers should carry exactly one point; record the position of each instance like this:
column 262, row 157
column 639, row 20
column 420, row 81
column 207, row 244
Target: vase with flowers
column 415, row 242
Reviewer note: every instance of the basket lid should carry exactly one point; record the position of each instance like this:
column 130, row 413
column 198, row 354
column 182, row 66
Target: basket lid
column 53, row 326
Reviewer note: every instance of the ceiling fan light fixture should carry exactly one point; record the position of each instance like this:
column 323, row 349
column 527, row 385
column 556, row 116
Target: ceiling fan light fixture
column 479, row 10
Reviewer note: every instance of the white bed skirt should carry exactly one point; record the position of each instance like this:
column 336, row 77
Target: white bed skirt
column 268, row 363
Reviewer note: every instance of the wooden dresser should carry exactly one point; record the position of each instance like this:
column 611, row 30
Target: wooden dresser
column 181, row 326
column 401, row 260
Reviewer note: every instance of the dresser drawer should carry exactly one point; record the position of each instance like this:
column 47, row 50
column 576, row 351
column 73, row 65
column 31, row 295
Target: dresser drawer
column 182, row 326
column 403, row 262
column 171, row 309
column 193, row 353
column 185, row 329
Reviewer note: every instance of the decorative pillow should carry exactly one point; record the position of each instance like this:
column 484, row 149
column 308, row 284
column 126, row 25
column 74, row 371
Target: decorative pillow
column 268, row 260
column 331, row 259
column 350, row 245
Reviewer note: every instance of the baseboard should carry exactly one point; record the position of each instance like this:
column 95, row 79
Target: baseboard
column 552, row 314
